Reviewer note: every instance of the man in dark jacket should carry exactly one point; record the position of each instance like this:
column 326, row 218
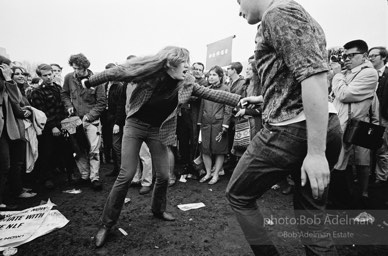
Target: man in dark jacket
column 378, row 56
column 112, row 121
column 236, row 85
column 47, row 98
column 88, row 104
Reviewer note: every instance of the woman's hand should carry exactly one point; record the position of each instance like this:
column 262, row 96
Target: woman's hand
column 251, row 99
column 243, row 102
column 7, row 72
column 27, row 113
column 221, row 134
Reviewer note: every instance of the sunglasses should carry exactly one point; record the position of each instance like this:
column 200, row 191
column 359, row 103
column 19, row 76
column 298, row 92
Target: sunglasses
column 350, row 55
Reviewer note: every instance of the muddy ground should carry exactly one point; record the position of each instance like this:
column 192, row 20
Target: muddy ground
column 212, row 230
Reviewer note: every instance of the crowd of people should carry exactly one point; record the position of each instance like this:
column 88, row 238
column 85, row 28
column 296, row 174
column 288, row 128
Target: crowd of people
column 152, row 112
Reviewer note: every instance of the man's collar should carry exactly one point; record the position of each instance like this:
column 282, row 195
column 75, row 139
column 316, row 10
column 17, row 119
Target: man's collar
column 367, row 63
column 381, row 70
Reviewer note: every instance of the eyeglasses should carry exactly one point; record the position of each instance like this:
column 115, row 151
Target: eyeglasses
column 372, row 56
column 350, row 55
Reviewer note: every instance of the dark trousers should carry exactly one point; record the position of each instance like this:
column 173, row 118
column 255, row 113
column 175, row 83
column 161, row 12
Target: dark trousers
column 12, row 164
column 185, row 136
column 107, row 122
column 116, row 144
column 17, row 149
column 274, row 153
column 135, row 133
column 4, row 162
column 51, row 154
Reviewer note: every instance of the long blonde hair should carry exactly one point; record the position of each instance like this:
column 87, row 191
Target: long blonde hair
column 149, row 67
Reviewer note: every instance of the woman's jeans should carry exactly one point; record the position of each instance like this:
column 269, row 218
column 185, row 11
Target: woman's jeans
column 274, row 153
column 135, row 133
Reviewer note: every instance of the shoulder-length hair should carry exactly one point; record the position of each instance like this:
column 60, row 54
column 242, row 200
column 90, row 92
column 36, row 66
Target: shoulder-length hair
column 148, row 67
column 219, row 71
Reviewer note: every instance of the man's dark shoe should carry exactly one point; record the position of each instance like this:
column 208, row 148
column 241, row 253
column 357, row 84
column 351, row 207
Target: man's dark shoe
column 82, row 182
column 96, row 185
column 145, row 190
column 164, row 216
column 113, row 173
column 379, row 183
column 49, row 184
column 288, row 190
column 101, row 236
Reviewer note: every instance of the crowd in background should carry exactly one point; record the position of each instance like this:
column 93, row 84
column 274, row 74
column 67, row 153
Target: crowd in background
column 53, row 124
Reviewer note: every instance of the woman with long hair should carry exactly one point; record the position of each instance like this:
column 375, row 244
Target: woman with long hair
column 253, row 112
column 163, row 85
column 18, row 76
column 12, row 135
column 214, row 119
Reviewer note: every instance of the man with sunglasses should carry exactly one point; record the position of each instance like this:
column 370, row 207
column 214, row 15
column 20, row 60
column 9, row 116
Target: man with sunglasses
column 354, row 90
column 378, row 56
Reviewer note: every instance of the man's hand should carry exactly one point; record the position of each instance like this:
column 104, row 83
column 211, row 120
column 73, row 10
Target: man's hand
column 70, row 111
column 316, row 168
column 83, row 82
column 7, row 72
column 85, row 119
column 336, row 67
column 241, row 112
column 116, row 129
column 56, row 131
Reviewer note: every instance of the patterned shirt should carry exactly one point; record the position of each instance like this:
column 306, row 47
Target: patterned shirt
column 47, row 98
column 290, row 47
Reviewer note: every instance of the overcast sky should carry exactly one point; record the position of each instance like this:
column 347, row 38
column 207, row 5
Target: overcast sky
column 108, row 31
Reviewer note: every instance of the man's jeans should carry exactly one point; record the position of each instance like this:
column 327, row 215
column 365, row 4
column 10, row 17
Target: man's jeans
column 274, row 153
column 89, row 165
column 144, row 170
column 135, row 133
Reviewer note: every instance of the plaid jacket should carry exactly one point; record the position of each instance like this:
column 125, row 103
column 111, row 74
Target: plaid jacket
column 141, row 95
column 47, row 98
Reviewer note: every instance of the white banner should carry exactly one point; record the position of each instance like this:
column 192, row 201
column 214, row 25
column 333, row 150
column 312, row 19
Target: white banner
column 20, row 227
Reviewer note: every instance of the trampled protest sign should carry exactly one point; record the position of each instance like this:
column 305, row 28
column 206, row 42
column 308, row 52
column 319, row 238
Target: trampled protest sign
column 20, row 227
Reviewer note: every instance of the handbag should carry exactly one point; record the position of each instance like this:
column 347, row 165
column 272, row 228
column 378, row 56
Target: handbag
column 242, row 135
column 363, row 134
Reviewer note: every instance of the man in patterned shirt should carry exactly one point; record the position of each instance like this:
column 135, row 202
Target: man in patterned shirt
column 47, row 98
column 301, row 133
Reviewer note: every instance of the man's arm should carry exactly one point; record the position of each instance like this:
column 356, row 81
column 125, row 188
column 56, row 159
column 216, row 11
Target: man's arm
column 65, row 93
column 360, row 88
column 100, row 105
column 315, row 165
